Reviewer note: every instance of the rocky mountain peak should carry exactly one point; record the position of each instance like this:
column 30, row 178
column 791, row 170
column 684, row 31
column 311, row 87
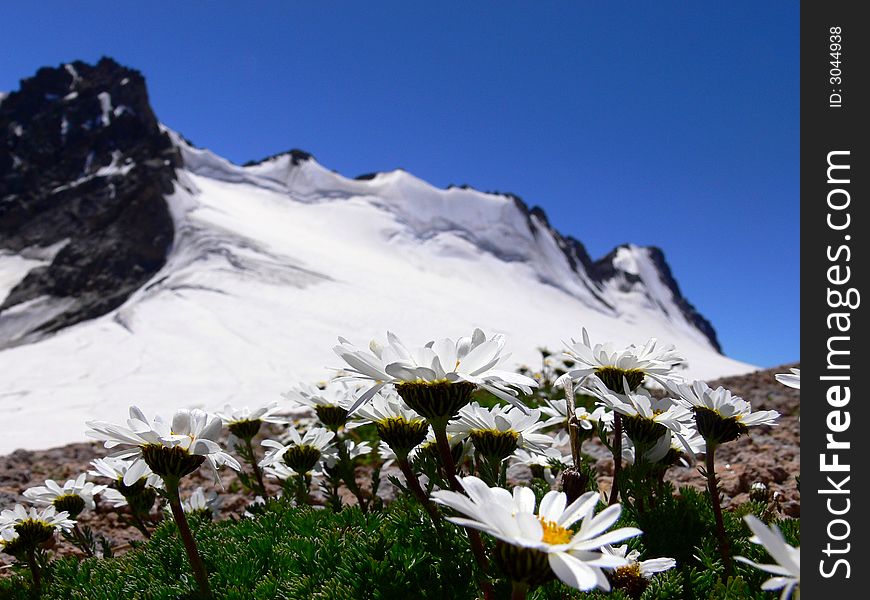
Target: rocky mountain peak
column 84, row 166
column 296, row 156
column 630, row 268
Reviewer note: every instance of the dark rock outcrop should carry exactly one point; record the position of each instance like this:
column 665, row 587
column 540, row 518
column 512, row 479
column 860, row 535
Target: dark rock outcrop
column 84, row 163
column 296, row 155
column 605, row 269
column 691, row 314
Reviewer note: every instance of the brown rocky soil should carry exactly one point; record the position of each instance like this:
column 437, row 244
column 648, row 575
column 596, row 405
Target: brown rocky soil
column 770, row 455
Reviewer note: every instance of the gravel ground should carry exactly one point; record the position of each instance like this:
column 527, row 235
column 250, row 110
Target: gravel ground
column 768, row 454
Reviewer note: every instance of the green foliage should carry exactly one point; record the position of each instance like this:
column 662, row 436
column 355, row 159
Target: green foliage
column 665, row 586
column 791, row 530
column 682, row 526
column 92, row 544
column 302, row 552
column 675, row 526
column 736, row 589
column 286, row 552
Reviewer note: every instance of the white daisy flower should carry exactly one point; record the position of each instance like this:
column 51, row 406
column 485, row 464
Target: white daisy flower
column 722, row 402
column 537, row 545
column 645, row 418
column 647, row 568
column 720, row 415
column 688, row 446
column 302, row 454
column 668, row 449
column 401, row 428
column 557, row 411
column 34, row 526
column 244, row 422
column 759, row 492
column 387, row 455
column 387, row 404
column 331, row 404
column 500, row 430
column 651, row 455
column 611, row 365
column 279, row 471
column 74, row 496
column 787, row 569
column 354, row 450
column 635, row 576
column 170, row 449
column 114, row 498
column 541, row 463
column 792, row 380
column 200, row 503
column 116, row 469
column 8, row 539
column 471, row 360
column 545, row 458
column 266, row 414
column 119, row 496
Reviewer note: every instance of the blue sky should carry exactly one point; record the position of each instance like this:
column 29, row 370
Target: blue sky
column 672, row 124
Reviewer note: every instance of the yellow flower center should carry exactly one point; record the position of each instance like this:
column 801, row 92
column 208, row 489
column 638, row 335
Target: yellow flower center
column 554, row 533
column 630, row 580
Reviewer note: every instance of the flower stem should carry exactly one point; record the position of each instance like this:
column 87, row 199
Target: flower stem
column 257, row 472
column 446, row 455
column 414, row 486
column 34, row 571
column 571, row 424
column 349, row 476
column 440, row 429
column 303, row 487
column 576, row 440
column 617, row 458
column 713, row 489
column 82, row 544
column 196, row 563
column 139, row 523
column 486, row 469
column 519, row 590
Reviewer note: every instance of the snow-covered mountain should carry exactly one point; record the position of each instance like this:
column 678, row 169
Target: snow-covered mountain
column 138, row 269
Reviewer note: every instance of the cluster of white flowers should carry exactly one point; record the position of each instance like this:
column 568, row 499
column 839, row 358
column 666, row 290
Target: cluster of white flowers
column 47, row 519
column 300, row 453
column 421, row 400
column 475, row 360
column 56, row 507
column 190, row 434
column 679, row 425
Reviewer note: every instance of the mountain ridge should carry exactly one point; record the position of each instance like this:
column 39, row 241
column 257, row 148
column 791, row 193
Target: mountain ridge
column 138, row 269
column 600, row 271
